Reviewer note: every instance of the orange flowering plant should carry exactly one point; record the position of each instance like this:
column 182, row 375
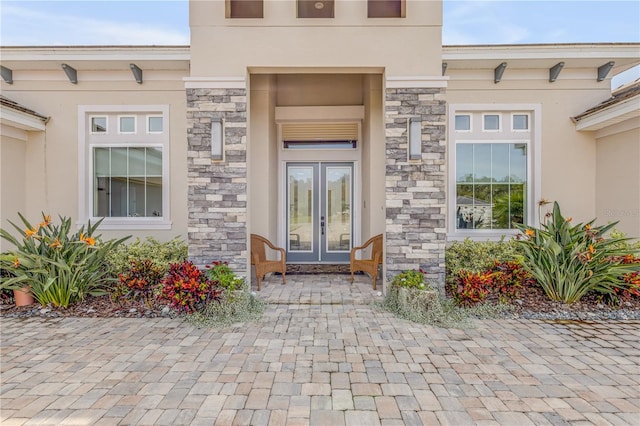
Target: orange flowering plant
column 59, row 266
column 569, row 261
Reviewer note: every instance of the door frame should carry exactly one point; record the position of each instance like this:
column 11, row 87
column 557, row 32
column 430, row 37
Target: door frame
column 319, row 251
column 354, row 155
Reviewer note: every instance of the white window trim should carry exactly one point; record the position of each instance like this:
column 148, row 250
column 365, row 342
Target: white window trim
column 148, row 117
column 499, row 129
column 135, row 124
column 85, row 170
column 91, row 117
column 470, row 123
column 534, row 168
column 528, row 129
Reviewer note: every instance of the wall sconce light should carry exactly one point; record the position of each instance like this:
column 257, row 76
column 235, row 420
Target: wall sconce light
column 137, row 73
column 603, row 70
column 71, row 73
column 498, row 71
column 217, row 139
column 7, row 75
column 415, row 138
column 444, row 68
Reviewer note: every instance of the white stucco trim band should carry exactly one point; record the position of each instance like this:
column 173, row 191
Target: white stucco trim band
column 215, row 82
column 394, row 82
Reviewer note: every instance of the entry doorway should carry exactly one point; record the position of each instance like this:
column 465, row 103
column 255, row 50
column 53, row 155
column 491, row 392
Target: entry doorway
column 319, row 214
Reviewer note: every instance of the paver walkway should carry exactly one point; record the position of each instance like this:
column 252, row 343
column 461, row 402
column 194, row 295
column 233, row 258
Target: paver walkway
column 322, row 356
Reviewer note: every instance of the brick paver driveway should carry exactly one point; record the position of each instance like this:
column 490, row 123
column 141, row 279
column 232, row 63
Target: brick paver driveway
column 321, row 355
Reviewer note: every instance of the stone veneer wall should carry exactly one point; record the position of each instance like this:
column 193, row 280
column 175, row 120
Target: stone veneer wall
column 415, row 190
column 217, row 190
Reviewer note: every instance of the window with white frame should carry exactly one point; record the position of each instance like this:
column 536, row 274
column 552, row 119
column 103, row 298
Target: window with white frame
column 125, row 169
column 491, row 176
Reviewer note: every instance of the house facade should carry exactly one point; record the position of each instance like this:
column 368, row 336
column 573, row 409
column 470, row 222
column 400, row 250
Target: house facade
column 318, row 125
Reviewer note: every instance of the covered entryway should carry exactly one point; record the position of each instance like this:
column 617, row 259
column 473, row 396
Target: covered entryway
column 316, row 163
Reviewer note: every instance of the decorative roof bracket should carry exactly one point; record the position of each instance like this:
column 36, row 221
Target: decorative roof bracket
column 603, row 70
column 137, row 73
column 554, row 71
column 71, row 73
column 497, row 73
column 7, row 75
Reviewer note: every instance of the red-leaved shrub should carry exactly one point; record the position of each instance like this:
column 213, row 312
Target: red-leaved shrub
column 186, row 288
column 473, row 287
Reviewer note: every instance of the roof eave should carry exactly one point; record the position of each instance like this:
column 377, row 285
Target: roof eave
column 613, row 114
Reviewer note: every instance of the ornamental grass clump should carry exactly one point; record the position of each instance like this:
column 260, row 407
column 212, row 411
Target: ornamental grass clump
column 59, row 267
column 569, row 261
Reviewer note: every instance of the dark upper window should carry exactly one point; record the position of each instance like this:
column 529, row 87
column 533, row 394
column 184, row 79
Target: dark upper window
column 386, row 8
column 244, row 9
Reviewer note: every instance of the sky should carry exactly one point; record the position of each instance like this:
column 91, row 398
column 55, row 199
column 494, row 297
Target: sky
column 158, row 22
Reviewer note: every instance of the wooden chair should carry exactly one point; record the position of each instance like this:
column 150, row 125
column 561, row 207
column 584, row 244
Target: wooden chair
column 259, row 258
column 368, row 265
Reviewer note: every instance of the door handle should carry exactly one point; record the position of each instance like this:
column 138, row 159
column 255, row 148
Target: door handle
column 322, row 225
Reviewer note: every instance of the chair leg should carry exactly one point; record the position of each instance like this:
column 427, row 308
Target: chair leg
column 284, row 281
column 375, row 278
column 259, row 279
column 351, row 278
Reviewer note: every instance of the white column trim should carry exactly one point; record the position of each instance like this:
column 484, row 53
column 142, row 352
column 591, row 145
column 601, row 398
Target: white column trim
column 433, row 82
column 215, row 82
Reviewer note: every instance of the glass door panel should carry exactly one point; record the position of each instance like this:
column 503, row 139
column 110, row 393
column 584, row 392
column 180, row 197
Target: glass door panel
column 337, row 200
column 302, row 212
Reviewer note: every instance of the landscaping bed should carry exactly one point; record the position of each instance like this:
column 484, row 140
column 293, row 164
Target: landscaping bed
column 533, row 304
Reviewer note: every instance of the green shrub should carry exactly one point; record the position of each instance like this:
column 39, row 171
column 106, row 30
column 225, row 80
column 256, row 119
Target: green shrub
column 58, row 266
column 476, row 256
column 411, row 279
column 569, row 261
column 161, row 254
column 224, row 277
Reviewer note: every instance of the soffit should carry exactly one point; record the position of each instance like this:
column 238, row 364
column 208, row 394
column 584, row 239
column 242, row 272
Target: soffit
column 625, row 56
column 96, row 57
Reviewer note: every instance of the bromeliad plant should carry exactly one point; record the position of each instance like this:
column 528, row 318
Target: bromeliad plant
column 569, row 261
column 58, row 266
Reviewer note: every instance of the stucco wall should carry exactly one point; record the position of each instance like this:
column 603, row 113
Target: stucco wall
column 618, row 180
column 262, row 154
column 50, row 165
column 407, row 46
column 12, row 182
column 568, row 157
